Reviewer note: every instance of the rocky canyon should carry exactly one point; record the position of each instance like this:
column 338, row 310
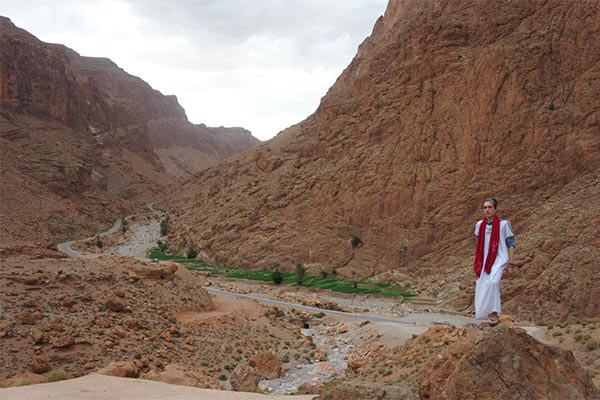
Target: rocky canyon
column 83, row 142
column 445, row 104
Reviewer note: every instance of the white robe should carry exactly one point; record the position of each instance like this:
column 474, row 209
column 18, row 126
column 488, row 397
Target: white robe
column 487, row 287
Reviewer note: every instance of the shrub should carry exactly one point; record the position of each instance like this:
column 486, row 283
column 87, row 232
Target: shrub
column 277, row 277
column 57, row 375
column 300, row 271
column 99, row 243
column 356, row 241
column 162, row 246
column 324, row 274
column 164, row 226
column 222, row 377
column 191, row 253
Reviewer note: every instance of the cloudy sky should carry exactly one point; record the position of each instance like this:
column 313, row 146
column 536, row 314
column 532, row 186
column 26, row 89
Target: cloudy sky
column 262, row 65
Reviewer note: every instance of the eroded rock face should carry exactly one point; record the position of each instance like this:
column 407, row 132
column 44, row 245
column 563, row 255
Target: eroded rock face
column 503, row 362
column 445, row 104
column 83, row 142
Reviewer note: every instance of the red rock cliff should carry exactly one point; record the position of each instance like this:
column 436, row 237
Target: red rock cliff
column 446, row 103
column 83, row 142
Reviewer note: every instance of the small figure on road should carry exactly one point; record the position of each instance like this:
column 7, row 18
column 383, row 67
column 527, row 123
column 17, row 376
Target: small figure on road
column 493, row 259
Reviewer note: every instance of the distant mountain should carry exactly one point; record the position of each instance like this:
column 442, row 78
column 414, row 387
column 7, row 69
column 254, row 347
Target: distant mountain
column 446, row 103
column 83, row 142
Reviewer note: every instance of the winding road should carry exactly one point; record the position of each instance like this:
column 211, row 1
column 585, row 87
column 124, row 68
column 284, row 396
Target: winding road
column 66, row 246
column 412, row 319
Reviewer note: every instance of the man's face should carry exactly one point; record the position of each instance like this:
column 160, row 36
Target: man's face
column 489, row 210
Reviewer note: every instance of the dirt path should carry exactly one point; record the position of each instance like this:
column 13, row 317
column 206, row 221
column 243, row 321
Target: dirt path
column 100, row 387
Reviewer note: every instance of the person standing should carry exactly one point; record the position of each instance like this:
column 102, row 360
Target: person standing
column 493, row 257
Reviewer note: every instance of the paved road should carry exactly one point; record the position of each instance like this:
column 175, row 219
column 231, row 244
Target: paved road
column 418, row 319
column 66, row 246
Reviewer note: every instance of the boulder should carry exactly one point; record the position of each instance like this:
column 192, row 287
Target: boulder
column 122, row 369
column 40, row 364
column 266, row 365
column 115, row 305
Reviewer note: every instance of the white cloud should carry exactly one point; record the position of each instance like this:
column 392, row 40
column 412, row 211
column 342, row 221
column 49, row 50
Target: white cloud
column 261, row 65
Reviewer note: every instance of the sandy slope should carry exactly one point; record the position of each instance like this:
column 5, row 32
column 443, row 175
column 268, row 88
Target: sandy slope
column 100, row 387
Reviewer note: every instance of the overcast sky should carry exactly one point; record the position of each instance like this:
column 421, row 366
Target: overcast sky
column 263, row 65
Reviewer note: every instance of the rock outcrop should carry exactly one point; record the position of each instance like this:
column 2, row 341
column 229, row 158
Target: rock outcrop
column 446, row 103
column 366, row 391
column 504, row 363
column 83, row 142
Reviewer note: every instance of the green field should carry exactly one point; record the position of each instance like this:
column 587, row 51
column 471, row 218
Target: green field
column 315, row 282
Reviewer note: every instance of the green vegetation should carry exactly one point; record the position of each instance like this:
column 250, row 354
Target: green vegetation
column 162, row 246
column 124, row 225
column 164, row 226
column 300, row 271
column 315, row 282
column 277, row 277
column 99, row 243
column 191, row 253
column 356, row 241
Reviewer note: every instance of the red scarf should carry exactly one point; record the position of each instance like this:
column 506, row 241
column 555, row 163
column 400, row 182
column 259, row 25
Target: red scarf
column 492, row 251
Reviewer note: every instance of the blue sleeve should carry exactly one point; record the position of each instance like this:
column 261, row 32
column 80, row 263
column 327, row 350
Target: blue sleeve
column 510, row 242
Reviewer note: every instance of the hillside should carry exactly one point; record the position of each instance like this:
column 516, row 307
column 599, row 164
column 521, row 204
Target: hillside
column 83, row 142
column 446, row 103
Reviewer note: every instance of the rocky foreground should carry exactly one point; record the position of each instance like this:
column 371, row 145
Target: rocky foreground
column 130, row 318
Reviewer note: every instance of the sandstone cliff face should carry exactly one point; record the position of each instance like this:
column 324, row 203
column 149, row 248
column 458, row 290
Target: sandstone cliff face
column 446, row 103
column 83, row 142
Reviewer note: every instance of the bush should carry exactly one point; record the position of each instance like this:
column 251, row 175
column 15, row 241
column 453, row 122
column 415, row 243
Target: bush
column 162, row 246
column 222, row 377
column 191, row 253
column 356, row 241
column 277, row 277
column 57, row 375
column 324, row 274
column 300, row 271
column 99, row 243
column 164, row 226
